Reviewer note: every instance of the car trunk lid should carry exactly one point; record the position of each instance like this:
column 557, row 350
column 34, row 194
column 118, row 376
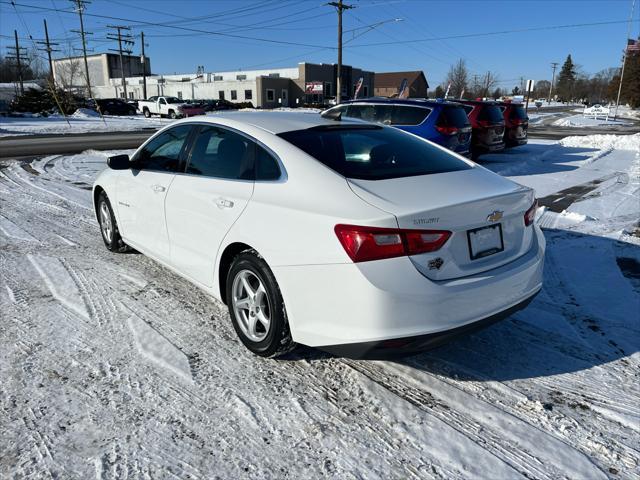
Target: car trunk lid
column 483, row 211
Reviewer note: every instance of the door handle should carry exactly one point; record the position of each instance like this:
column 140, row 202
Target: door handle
column 224, row 203
column 158, row 188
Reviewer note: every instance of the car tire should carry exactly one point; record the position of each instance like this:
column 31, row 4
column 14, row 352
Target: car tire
column 106, row 112
column 109, row 227
column 147, row 113
column 261, row 303
column 172, row 114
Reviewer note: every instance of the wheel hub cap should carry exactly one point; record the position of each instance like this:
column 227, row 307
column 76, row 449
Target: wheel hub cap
column 251, row 305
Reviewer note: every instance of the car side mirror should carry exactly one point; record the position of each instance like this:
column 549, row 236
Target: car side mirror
column 119, row 162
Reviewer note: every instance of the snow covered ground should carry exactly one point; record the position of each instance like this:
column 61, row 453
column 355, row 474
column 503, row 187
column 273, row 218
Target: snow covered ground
column 76, row 124
column 582, row 121
column 114, row 367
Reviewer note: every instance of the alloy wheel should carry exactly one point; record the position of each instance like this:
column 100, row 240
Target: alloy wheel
column 251, row 305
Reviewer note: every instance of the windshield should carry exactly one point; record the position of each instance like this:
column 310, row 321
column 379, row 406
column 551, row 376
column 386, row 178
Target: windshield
column 173, row 100
column 368, row 152
column 492, row 113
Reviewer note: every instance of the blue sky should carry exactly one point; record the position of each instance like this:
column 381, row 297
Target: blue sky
column 313, row 24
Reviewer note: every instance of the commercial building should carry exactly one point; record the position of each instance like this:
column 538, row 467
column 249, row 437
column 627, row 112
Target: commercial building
column 70, row 73
column 387, row 84
column 307, row 83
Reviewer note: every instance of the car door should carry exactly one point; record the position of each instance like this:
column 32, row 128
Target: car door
column 205, row 201
column 142, row 191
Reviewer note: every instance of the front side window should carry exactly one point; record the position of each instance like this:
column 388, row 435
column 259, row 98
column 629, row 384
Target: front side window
column 371, row 152
column 164, row 151
column 221, row 153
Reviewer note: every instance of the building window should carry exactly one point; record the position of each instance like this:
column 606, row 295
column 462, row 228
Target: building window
column 365, row 90
column 186, row 79
column 234, row 94
column 217, row 78
column 271, row 95
column 241, row 77
column 327, row 89
column 221, row 95
column 248, row 94
column 180, row 95
column 274, row 75
column 130, row 95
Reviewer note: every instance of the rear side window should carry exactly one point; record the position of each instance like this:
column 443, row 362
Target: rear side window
column 490, row 113
column 453, row 117
column 267, row 167
column 518, row 113
column 373, row 153
column 389, row 114
column 220, row 153
column 163, row 152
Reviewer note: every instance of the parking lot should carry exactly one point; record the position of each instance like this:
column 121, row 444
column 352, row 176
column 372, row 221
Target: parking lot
column 114, row 367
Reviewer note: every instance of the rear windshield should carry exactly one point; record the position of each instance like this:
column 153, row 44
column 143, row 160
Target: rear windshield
column 453, row 117
column 518, row 113
column 492, row 113
column 368, row 152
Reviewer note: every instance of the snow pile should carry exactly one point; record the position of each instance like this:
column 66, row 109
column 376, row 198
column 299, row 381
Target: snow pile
column 604, row 142
column 581, row 121
column 85, row 113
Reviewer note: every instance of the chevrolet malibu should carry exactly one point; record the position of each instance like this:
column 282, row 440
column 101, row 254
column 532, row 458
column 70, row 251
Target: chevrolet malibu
column 356, row 238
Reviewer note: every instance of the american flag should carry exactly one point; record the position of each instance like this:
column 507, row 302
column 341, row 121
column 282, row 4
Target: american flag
column 633, row 45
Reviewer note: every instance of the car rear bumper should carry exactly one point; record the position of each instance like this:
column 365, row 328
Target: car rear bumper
column 369, row 302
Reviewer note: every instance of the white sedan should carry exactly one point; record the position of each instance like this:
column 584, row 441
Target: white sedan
column 351, row 237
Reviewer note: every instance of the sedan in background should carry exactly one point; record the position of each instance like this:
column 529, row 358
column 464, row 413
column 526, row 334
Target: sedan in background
column 516, row 122
column 439, row 121
column 353, row 237
column 114, row 106
column 488, row 126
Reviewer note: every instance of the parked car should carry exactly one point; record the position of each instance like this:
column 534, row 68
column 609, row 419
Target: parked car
column 488, row 126
column 171, row 107
column 442, row 122
column 352, row 237
column 215, row 105
column 113, row 106
column 516, row 122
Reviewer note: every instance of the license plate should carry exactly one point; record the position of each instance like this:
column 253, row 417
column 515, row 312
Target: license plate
column 485, row 241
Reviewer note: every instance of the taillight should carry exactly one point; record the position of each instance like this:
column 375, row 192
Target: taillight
column 484, row 123
column 447, row 130
column 364, row 244
column 530, row 215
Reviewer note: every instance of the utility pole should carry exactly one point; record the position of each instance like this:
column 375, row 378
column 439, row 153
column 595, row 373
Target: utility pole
column 121, row 39
column 80, row 6
column 475, row 86
column 339, row 7
column 624, row 58
column 48, row 49
column 16, row 56
column 554, row 65
column 144, row 68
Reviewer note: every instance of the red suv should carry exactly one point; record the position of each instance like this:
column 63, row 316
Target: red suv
column 516, row 122
column 488, row 126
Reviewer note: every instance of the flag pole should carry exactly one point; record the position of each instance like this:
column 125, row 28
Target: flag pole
column 624, row 59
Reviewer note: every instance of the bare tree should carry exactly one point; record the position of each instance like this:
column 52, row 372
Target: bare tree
column 490, row 80
column 458, row 77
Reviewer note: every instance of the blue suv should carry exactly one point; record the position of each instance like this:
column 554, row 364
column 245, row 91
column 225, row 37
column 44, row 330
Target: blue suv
column 442, row 122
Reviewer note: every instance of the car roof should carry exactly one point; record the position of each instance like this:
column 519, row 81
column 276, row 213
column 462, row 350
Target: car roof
column 404, row 101
column 276, row 121
column 477, row 102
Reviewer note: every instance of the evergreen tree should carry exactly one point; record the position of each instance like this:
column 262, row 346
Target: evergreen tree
column 439, row 92
column 566, row 80
column 631, row 83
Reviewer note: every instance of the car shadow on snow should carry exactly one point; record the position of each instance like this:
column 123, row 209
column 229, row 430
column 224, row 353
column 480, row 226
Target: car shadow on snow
column 586, row 315
column 535, row 159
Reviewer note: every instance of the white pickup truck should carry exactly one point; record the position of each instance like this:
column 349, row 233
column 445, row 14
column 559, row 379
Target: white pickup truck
column 171, row 107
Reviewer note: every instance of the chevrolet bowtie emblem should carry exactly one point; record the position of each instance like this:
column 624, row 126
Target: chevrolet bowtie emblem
column 494, row 216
